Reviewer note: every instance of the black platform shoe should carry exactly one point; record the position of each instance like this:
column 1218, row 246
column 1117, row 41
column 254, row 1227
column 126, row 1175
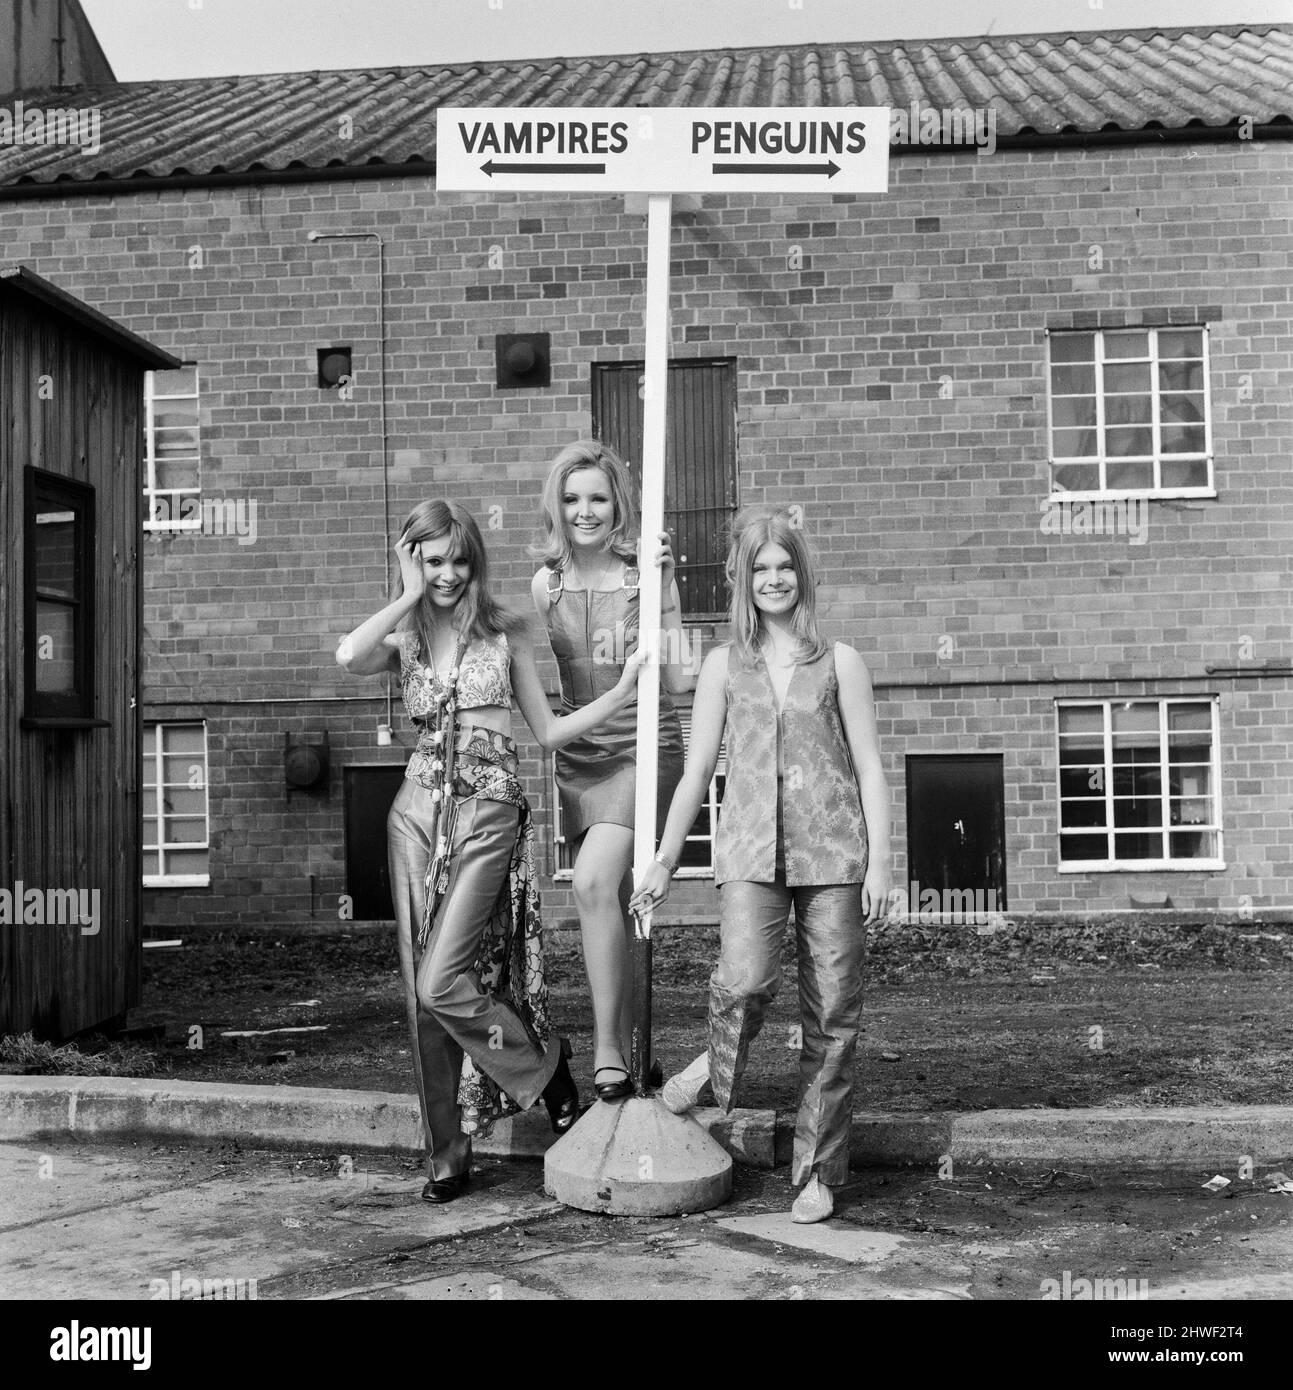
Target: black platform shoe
column 613, row 1090
column 440, row 1190
column 561, row 1095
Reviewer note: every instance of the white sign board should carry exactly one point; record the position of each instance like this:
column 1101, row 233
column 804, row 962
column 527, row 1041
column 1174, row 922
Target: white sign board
column 616, row 149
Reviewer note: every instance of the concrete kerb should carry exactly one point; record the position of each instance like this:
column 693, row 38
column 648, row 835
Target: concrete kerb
column 344, row 1121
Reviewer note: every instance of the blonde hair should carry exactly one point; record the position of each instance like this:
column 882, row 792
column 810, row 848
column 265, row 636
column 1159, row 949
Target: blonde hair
column 554, row 548
column 754, row 528
column 477, row 614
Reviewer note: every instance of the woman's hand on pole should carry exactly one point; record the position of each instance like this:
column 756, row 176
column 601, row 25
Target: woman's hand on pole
column 664, row 558
column 652, row 891
column 628, row 681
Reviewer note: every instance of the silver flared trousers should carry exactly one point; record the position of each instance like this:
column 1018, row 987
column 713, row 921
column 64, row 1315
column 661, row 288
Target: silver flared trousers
column 449, row 1012
column 831, row 938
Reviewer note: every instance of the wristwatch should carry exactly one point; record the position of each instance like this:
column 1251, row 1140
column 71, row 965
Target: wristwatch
column 670, row 864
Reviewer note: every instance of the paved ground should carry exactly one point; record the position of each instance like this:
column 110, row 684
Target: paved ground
column 136, row 1220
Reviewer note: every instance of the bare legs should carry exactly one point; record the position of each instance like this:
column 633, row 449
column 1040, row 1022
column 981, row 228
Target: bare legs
column 602, row 883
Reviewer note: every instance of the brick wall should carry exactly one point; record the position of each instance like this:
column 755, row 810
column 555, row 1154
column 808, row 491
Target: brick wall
column 892, row 384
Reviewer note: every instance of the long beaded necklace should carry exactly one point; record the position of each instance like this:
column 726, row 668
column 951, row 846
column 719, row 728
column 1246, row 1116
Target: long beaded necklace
column 444, row 809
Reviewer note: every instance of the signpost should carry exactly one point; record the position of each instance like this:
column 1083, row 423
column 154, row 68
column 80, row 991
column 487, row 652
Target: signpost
column 636, row 1158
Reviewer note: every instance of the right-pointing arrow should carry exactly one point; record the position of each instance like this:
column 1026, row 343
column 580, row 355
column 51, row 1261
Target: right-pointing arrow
column 830, row 169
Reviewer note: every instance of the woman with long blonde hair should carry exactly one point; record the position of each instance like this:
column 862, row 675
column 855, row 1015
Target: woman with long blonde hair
column 461, row 845
column 804, row 823
column 587, row 596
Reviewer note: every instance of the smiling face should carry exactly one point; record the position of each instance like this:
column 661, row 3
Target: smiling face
column 588, row 508
column 774, row 583
column 446, row 569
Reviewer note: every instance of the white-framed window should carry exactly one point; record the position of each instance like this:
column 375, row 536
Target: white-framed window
column 1139, row 783
column 1128, row 411
column 177, row 818
column 172, row 451
column 697, row 858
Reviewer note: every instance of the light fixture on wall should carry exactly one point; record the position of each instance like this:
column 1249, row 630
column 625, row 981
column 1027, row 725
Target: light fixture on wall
column 305, row 760
column 523, row 360
column 335, row 367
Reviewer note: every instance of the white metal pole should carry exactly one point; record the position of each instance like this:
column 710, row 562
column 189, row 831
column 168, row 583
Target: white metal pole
column 659, row 208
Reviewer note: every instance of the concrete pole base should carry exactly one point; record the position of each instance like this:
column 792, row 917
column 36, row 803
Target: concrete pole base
column 636, row 1158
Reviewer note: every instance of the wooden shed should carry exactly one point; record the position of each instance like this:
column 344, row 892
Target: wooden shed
column 71, row 441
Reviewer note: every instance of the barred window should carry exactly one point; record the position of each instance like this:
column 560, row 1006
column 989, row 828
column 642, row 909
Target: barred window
column 697, row 858
column 172, row 451
column 177, row 829
column 1139, row 784
column 1129, row 411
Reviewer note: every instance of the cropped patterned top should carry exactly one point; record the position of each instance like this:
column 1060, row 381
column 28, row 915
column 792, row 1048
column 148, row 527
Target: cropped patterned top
column 484, row 677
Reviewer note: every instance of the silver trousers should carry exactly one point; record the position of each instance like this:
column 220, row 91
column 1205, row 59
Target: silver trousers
column 831, row 939
column 449, row 1012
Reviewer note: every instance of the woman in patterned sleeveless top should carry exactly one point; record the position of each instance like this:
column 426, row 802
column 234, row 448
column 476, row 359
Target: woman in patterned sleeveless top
column 804, row 822
column 587, row 596
column 461, row 843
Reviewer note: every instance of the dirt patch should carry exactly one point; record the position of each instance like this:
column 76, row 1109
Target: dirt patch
column 956, row 1017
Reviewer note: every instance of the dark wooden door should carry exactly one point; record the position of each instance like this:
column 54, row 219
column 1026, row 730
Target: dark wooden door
column 369, row 792
column 956, row 829
column 700, row 463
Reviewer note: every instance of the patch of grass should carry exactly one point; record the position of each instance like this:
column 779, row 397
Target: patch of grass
column 22, row 1052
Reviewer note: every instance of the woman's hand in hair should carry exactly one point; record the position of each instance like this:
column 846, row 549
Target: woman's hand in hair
column 409, row 554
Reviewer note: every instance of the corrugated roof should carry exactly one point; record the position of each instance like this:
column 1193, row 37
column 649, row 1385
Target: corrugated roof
column 1044, row 86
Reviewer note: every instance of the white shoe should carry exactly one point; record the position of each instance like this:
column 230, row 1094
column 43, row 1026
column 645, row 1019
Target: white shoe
column 681, row 1091
column 814, row 1203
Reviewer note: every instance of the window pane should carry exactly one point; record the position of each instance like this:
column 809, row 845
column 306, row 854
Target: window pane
column 1128, row 410
column 150, row 800
column 183, row 770
column 1075, row 444
column 1082, row 813
column 1191, row 810
column 1081, row 719
column 1181, row 408
column 1184, row 342
column 1126, row 376
column 1072, row 380
column 1130, row 476
column 177, row 475
column 188, row 861
column 1083, row 847
column 1082, row 780
column 55, row 649
column 1132, row 846
column 1072, row 347
column 1183, row 439
column 176, row 414
column 1135, row 717
column 1076, row 477
column 150, row 863
column 1137, row 810
column 1128, row 440
column 1182, row 716
column 1194, row 844
column 183, row 381
column 185, row 801
column 175, row 443
column 56, row 553
column 1126, row 345
column 1135, row 777
column 1068, row 411
column 1180, row 376
column 186, row 830
column 1185, row 473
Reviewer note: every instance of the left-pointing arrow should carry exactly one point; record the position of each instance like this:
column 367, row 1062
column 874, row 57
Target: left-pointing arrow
column 830, row 169
column 491, row 168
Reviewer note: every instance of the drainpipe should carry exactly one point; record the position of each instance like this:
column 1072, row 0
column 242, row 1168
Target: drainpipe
column 386, row 470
